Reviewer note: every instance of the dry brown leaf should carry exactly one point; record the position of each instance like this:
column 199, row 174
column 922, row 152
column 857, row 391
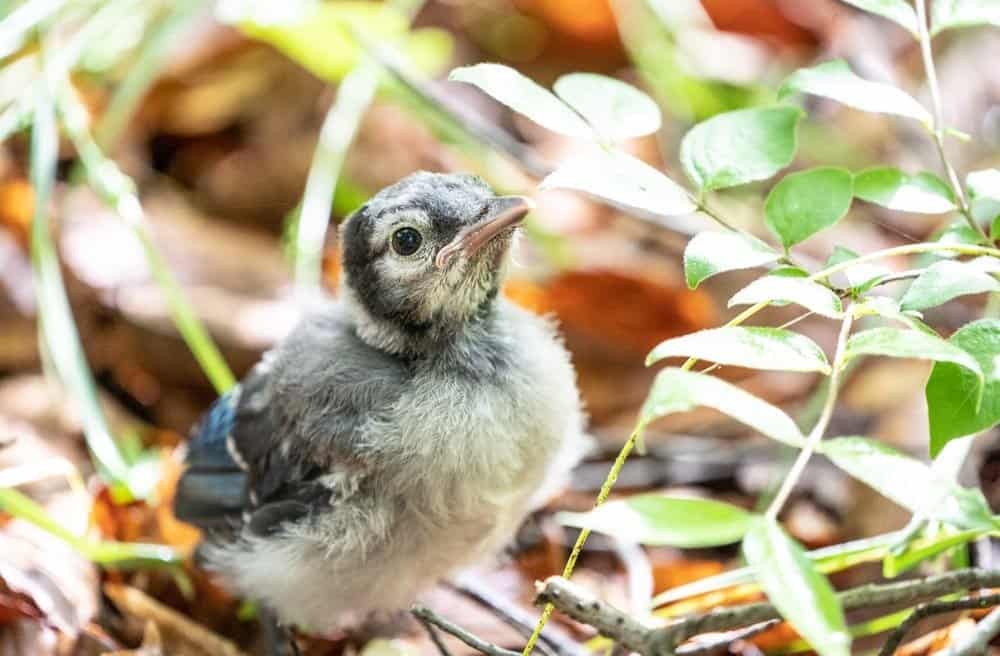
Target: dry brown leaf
column 152, row 644
column 181, row 636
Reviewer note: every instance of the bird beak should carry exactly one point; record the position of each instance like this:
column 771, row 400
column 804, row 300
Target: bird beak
column 505, row 212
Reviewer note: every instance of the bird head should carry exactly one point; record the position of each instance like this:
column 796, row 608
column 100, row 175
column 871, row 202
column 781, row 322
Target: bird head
column 425, row 258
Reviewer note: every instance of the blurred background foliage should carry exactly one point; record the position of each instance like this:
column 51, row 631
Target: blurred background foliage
column 169, row 174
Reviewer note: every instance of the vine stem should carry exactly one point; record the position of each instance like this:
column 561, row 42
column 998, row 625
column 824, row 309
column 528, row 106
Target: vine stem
column 816, row 435
column 937, row 129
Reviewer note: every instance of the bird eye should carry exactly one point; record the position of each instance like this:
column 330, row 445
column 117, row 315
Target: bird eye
column 406, row 241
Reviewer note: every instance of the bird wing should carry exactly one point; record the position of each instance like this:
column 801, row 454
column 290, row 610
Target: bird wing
column 235, row 474
column 261, row 455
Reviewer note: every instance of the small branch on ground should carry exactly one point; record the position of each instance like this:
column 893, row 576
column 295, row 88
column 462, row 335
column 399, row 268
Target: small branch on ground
column 934, row 608
column 976, row 644
column 649, row 641
column 426, row 615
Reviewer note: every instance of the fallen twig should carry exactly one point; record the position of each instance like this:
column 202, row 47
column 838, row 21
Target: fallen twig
column 430, row 617
column 934, row 608
column 663, row 641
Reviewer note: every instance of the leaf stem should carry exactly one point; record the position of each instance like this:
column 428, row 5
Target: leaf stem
column 819, row 429
column 938, row 129
column 118, row 192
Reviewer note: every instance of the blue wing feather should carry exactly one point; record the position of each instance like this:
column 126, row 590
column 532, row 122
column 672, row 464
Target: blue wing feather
column 211, row 491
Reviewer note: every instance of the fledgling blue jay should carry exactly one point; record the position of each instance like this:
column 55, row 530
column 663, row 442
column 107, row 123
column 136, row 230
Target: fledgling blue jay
column 396, row 435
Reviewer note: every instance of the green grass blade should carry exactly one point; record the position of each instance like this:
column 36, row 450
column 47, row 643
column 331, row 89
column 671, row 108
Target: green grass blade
column 110, row 554
column 142, row 73
column 118, row 191
column 55, row 318
column 354, row 95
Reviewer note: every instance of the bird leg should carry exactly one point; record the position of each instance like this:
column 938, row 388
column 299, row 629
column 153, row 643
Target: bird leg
column 278, row 639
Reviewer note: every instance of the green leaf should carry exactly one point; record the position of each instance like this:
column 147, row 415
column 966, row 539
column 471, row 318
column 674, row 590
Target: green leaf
column 895, row 10
column 859, row 276
column 524, row 96
column 945, row 280
column 900, row 343
column 888, row 308
column 802, row 595
column 947, row 14
column 835, row 80
column 923, row 193
column 785, row 289
column 319, row 39
column 742, row 146
column 622, row 180
column 675, row 390
column 756, row 348
column 709, row 253
column 984, row 195
column 616, row 110
column 804, row 203
column 909, row 482
column 952, row 391
column 916, row 553
column 660, row 520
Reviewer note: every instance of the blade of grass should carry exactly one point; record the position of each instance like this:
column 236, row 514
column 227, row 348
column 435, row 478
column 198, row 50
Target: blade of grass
column 142, row 73
column 354, row 95
column 55, row 319
column 16, row 25
column 118, row 191
column 120, row 555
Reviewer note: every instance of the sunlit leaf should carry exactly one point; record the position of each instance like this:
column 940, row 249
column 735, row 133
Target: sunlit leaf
column 656, row 519
column 320, row 39
column 899, row 11
column 888, row 308
column 622, row 180
column 924, row 193
column 756, row 348
column 787, row 289
column 901, row 343
column 984, row 195
column 801, row 594
column 709, row 253
column 804, row 203
column 947, row 14
column 945, row 280
column 952, row 390
column 860, row 276
column 836, row 80
column 675, row 390
column 908, row 482
column 742, row 146
column 614, row 109
column 525, row 96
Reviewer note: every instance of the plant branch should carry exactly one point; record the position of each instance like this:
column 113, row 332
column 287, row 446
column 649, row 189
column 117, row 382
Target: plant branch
column 813, row 440
column 924, row 611
column 619, row 626
column 937, row 129
column 426, row 615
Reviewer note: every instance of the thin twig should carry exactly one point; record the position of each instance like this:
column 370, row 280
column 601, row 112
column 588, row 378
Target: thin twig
column 975, row 644
column 427, row 615
column 820, row 428
column 934, row 608
column 937, row 129
column 516, row 617
column 619, row 626
column 718, row 644
column 434, row 636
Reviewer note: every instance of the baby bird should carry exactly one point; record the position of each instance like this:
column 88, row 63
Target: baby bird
column 396, row 435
